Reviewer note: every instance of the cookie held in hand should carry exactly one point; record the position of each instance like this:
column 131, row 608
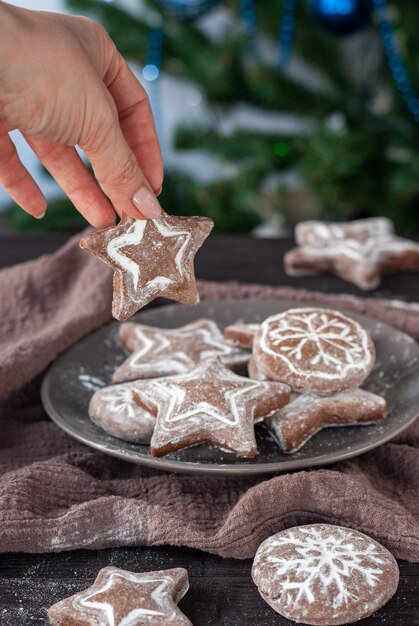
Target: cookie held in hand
column 157, row 352
column 314, row 350
column 293, row 425
column 119, row 597
column 150, row 258
column 358, row 252
column 115, row 410
column 324, row 575
column 209, row 405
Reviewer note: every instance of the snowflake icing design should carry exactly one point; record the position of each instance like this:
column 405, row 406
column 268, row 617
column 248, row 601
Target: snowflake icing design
column 331, row 559
column 120, row 399
column 329, row 335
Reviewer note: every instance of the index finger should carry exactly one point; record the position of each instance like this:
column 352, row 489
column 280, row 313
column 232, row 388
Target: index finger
column 137, row 122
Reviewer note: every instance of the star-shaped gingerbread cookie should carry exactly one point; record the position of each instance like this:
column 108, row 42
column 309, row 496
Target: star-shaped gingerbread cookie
column 210, row 405
column 121, row 598
column 157, row 352
column 150, row 258
column 306, row 414
column 359, row 252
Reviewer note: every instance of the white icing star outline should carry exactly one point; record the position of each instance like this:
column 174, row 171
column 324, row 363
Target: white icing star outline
column 212, row 405
column 105, row 612
column 368, row 252
column 375, row 238
column 134, row 236
column 356, row 240
column 175, row 395
column 150, row 258
column 204, row 331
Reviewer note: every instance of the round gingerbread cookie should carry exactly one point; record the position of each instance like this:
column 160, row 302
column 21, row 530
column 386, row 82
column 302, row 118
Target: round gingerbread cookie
column 324, row 575
column 115, row 410
column 314, row 350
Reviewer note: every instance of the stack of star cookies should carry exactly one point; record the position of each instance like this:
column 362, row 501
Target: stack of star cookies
column 324, row 357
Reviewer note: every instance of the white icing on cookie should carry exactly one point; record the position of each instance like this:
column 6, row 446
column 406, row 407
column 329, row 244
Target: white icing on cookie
column 326, row 560
column 324, row 574
column 338, row 347
column 134, row 236
column 318, row 234
column 369, row 252
column 307, row 414
column 205, row 332
column 202, row 411
column 164, row 352
column 208, row 405
column 326, row 333
column 357, row 251
column 115, row 410
column 150, row 258
column 119, row 398
column 161, row 595
column 106, row 611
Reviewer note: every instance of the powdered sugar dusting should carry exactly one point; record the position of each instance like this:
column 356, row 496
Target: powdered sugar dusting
column 210, row 404
column 356, row 251
column 306, row 414
column 137, row 615
column 160, row 352
column 92, row 383
column 329, row 332
column 122, row 598
column 150, row 258
column 115, row 409
column 134, row 235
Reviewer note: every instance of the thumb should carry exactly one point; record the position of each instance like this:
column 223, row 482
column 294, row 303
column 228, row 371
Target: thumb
column 117, row 170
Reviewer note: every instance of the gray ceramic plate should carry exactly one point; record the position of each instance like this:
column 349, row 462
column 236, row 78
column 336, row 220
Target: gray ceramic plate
column 88, row 365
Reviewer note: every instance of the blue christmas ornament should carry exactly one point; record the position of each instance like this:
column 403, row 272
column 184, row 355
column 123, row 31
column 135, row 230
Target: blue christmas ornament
column 187, row 9
column 286, row 32
column 341, row 17
column 395, row 61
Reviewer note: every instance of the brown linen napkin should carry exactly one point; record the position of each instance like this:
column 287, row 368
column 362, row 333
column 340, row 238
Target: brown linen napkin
column 57, row 494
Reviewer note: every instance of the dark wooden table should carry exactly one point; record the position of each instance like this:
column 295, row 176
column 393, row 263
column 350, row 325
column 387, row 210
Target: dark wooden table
column 221, row 591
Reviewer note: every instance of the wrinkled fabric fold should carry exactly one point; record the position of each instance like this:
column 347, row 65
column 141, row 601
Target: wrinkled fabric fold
column 57, row 494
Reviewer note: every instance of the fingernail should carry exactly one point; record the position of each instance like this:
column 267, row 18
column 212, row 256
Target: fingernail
column 146, row 202
column 39, row 217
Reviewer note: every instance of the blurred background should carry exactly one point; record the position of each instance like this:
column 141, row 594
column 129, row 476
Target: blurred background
column 268, row 111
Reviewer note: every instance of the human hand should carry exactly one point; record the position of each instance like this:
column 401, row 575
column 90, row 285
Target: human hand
column 62, row 83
